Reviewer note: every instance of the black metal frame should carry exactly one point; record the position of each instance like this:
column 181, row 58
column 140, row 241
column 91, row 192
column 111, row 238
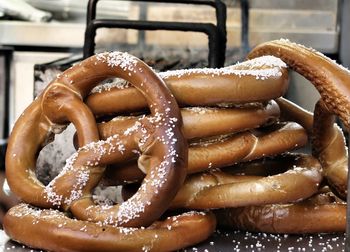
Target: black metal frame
column 7, row 53
column 245, row 26
column 216, row 33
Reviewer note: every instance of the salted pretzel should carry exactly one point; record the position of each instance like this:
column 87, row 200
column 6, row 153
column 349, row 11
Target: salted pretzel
column 256, row 80
column 321, row 213
column 62, row 102
column 201, row 122
column 164, row 150
column 221, row 151
column 329, row 145
column 218, row 189
column 52, row 230
column 158, row 138
column 331, row 80
column 330, row 148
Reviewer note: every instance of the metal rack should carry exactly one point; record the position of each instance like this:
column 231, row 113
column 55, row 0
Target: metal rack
column 216, row 33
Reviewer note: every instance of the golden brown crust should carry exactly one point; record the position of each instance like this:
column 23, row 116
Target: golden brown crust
column 256, row 80
column 293, row 113
column 163, row 152
column 330, row 79
column 330, row 148
column 328, row 142
column 296, row 184
column 202, row 122
column 52, row 230
column 332, row 82
column 217, row 189
column 225, row 151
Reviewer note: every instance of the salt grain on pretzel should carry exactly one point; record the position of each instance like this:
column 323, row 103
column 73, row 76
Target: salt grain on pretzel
column 222, row 151
column 54, row 231
column 255, row 80
column 221, row 190
column 202, row 122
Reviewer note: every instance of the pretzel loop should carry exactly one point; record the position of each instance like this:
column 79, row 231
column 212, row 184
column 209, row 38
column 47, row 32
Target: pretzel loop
column 332, row 82
column 165, row 152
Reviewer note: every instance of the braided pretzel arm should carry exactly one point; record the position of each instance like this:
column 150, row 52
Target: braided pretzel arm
column 330, row 148
column 52, row 230
column 330, row 79
column 328, row 142
column 293, row 112
column 299, row 183
column 222, row 151
column 219, row 189
column 254, row 80
column 200, row 122
column 72, row 188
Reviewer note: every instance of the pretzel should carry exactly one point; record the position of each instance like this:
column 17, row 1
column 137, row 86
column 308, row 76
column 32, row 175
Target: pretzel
column 217, row 189
column 329, row 145
column 220, row 152
column 330, row 148
column 164, row 151
column 331, row 80
column 255, row 80
column 201, row 122
column 318, row 214
column 52, row 230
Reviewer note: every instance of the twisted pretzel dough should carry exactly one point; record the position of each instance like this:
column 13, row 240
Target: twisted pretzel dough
column 164, row 151
column 217, row 189
column 330, row 148
column 201, row 122
column 318, row 214
column 222, row 151
column 321, row 213
column 331, row 80
column 61, row 102
column 328, row 142
column 254, row 80
column 52, row 230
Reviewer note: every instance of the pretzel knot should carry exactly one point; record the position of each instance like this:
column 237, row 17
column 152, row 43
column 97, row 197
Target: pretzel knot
column 243, row 124
column 164, row 151
column 332, row 82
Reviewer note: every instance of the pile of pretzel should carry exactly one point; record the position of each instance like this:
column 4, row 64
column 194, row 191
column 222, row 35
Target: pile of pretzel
column 223, row 158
